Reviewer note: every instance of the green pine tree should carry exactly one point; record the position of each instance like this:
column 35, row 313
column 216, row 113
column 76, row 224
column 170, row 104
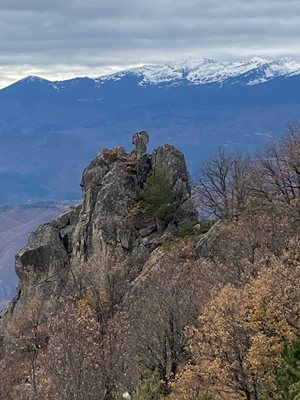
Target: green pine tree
column 288, row 375
column 149, row 387
column 158, row 199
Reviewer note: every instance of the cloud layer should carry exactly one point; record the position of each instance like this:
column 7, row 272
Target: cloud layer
column 66, row 38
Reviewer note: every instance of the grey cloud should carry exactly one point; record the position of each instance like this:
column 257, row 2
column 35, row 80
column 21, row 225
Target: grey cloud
column 108, row 34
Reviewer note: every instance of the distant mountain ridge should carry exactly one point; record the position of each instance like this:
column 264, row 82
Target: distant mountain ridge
column 49, row 130
column 194, row 71
column 204, row 71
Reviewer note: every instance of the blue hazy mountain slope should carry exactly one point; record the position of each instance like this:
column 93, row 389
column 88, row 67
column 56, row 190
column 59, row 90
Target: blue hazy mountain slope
column 49, row 130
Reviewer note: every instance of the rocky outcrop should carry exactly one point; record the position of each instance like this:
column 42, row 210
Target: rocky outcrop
column 168, row 159
column 109, row 219
column 207, row 241
column 111, row 185
column 47, row 253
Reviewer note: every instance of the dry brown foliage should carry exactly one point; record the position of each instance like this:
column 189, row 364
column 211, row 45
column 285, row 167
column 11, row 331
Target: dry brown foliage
column 236, row 350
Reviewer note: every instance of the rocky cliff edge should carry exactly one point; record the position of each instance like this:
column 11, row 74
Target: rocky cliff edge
column 109, row 221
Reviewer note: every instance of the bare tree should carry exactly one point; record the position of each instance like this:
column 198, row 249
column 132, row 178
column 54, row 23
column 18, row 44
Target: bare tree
column 9, row 376
column 276, row 173
column 101, row 282
column 223, row 185
column 72, row 362
column 27, row 337
column 162, row 303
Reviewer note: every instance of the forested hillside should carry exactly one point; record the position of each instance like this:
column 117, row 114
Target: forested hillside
column 131, row 295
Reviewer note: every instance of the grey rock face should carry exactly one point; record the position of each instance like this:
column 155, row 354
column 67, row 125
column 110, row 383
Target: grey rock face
column 47, row 253
column 110, row 218
column 140, row 141
column 110, row 194
column 170, row 160
column 204, row 245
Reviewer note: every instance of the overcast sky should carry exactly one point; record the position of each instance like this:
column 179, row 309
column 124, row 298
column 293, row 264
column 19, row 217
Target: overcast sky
column 58, row 39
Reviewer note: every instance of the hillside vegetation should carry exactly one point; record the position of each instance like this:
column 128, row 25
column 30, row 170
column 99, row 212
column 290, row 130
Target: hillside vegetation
column 193, row 316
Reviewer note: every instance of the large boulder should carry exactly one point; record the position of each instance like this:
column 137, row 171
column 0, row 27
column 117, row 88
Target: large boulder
column 47, row 253
column 171, row 161
column 111, row 186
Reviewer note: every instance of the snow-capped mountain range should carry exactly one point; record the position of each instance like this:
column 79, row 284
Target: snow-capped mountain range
column 202, row 71
column 194, row 71
column 50, row 130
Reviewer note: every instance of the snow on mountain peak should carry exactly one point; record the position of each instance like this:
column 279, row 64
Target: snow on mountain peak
column 199, row 71
column 193, row 71
column 33, row 78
